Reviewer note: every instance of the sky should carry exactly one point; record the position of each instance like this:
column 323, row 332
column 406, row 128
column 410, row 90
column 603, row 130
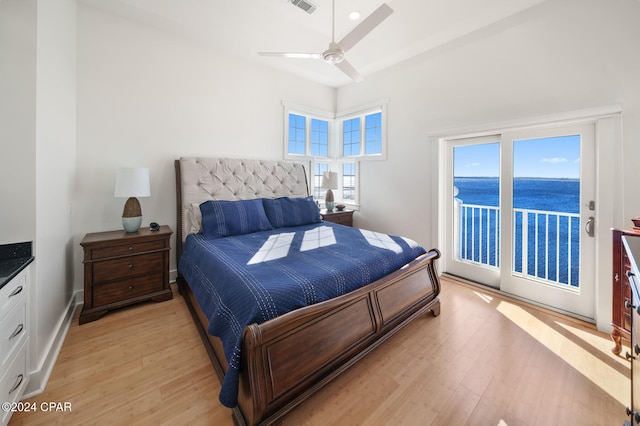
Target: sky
column 556, row 157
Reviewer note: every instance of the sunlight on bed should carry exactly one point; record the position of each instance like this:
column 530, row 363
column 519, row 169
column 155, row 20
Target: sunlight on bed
column 276, row 247
column 584, row 361
column 321, row 236
column 384, row 241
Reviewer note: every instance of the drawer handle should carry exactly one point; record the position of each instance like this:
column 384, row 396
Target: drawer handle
column 130, row 248
column 15, row 387
column 130, row 287
column 17, row 291
column 131, row 266
column 17, row 331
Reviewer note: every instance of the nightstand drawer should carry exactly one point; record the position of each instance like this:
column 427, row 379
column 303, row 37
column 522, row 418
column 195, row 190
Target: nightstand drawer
column 106, row 294
column 126, row 249
column 127, row 267
column 342, row 220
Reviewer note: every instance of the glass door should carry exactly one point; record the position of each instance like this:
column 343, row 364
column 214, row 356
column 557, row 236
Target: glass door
column 549, row 253
column 473, row 250
column 520, row 214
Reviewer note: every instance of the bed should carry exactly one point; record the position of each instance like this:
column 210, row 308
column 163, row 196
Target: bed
column 270, row 358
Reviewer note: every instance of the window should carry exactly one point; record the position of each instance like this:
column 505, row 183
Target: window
column 349, row 182
column 335, row 142
column 318, row 171
column 297, row 134
column 373, row 134
column 351, row 137
column 362, row 135
column 319, row 137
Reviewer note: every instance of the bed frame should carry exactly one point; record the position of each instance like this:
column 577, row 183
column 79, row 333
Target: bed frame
column 287, row 359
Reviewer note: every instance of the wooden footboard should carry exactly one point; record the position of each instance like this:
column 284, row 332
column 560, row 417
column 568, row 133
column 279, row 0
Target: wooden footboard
column 287, row 359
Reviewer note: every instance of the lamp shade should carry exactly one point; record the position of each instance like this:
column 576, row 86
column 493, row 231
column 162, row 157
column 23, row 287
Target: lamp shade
column 132, row 182
column 330, row 180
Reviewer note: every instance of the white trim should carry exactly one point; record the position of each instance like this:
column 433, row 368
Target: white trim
column 563, row 118
column 39, row 377
column 320, row 113
column 362, row 108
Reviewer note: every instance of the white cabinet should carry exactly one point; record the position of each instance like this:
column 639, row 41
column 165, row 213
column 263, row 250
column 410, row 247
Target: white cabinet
column 14, row 341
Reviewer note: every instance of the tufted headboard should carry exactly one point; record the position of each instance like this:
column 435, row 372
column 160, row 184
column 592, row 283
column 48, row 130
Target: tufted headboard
column 199, row 179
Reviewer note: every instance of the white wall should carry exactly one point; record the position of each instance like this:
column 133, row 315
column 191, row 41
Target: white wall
column 146, row 97
column 55, row 176
column 17, row 120
column 563, row 55
column 37, row 118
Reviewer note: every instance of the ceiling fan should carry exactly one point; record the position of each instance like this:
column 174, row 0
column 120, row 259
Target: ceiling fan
column 335, row 53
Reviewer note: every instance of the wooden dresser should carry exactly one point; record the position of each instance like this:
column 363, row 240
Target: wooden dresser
column 122, row 268
column 621, row 314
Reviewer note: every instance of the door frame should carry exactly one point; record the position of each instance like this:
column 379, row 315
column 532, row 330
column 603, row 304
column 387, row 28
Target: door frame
column 609, row 185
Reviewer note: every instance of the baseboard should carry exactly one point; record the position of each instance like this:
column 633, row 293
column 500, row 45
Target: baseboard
column 38, row 378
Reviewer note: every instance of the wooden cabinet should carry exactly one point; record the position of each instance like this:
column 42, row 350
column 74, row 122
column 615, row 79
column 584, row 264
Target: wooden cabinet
column 621, row 314
column 14, row 335
column 344, row 217
column 122, row 268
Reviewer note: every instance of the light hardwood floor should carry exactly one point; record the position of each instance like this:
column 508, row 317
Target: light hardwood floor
column 486, row 360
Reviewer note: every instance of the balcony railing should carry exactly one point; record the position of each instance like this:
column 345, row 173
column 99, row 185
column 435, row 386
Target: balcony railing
column 546, row 244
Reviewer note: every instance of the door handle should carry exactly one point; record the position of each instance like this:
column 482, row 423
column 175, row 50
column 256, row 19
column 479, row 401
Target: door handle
column 589, row 226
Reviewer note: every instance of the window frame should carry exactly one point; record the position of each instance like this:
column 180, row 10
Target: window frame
column 309, row 114
column 335, row 159
column 362, row 112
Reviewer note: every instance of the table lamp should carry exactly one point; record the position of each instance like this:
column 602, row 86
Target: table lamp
column 132, row 182
column 329, row 182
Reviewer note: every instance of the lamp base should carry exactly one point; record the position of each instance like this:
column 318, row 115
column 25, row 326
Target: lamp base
column 131, row 224
column 329, row 200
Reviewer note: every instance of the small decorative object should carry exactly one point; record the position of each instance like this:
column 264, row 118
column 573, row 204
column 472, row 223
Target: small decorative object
column 340, row 207
column 329, row 182
column 132, row 183
column 636, row 222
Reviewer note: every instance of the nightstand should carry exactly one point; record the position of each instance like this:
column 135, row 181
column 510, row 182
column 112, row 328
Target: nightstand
column 123, row 268
column 344, row 217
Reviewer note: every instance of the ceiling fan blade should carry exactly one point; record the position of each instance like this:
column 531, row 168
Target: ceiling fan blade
column 349, row 70
column 365, row 27
column 293, row 55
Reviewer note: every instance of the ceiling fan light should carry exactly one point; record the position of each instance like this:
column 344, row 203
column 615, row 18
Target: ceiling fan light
column 333, row 55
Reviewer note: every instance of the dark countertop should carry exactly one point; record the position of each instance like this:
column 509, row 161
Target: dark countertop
column 13, row 259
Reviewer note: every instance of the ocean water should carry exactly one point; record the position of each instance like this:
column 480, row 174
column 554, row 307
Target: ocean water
column 552, row 249
column 560, row 195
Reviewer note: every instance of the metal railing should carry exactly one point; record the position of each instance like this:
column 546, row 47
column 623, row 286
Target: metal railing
column 546, row 244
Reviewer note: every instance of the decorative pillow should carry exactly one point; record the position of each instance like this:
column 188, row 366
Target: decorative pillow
column 195, row 219
column 285, row 211
column 226, row 218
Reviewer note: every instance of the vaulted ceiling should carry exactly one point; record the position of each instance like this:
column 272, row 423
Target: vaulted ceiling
column 242, row 28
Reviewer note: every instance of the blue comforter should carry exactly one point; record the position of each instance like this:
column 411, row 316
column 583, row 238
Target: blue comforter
column 255, row 277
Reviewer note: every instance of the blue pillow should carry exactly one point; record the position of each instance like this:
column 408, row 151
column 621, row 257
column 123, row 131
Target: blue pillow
column 226, row 218
column 285, row 211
